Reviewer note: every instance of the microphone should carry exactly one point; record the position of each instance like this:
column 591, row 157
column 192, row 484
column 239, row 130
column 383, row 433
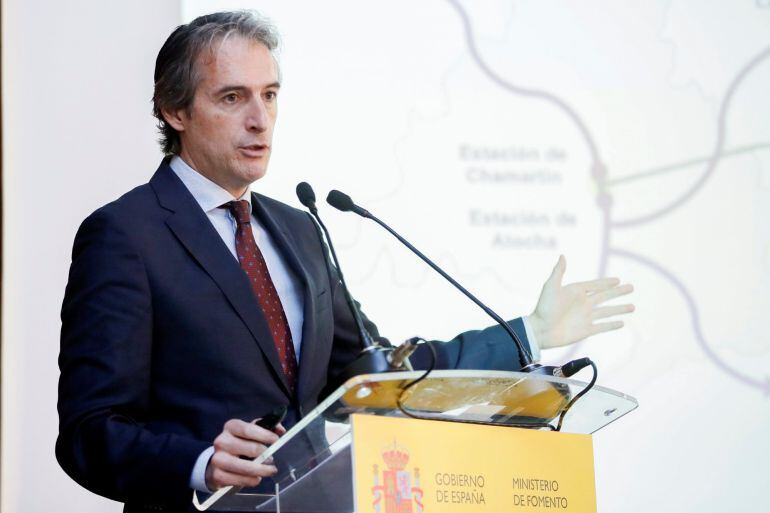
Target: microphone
column 343, row 202
column 306, row 196
column 372, row 358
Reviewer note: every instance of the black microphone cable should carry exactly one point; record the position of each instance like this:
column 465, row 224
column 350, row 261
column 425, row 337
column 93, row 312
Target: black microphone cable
column 568, row 370
column 434, row 357
column 565, row 371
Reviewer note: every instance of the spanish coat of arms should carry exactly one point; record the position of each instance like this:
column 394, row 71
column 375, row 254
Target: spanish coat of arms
column 396, row 493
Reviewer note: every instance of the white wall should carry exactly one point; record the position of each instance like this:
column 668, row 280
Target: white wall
column 77, row 79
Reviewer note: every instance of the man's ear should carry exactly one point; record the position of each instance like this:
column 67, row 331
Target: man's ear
column 176, row 118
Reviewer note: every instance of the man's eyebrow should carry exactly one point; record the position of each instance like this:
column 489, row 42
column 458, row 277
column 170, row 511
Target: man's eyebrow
column 229, row 88
column 240, row 88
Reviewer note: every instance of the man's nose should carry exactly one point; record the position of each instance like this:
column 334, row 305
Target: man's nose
column 257, row 117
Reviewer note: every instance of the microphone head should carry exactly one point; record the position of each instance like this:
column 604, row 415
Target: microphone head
column 340, row 201
column 306, row 195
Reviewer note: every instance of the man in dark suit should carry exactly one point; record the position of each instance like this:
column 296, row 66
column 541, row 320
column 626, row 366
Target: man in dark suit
column 194, row 306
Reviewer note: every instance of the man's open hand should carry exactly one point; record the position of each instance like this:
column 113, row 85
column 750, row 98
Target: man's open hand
column 567, row 313
column 240, row 438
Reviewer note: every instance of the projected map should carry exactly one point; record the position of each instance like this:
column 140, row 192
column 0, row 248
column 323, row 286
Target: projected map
column 634, row 139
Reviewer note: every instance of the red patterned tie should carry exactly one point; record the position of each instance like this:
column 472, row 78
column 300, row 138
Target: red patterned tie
column 253, row 264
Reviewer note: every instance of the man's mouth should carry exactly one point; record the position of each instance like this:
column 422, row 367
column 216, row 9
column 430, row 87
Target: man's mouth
column 254, row 150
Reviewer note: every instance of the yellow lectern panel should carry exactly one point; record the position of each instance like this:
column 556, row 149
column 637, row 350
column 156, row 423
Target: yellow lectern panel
column 417, row 466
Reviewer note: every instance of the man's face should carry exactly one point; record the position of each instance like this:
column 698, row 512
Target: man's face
column 227, row 132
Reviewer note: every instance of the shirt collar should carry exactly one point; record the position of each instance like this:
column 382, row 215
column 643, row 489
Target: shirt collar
column 208, row 194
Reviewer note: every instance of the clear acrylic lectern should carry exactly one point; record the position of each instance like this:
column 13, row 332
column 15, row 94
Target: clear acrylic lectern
column 314, row 457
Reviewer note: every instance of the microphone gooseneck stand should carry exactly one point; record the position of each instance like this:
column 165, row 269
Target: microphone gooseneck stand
column 373, row 357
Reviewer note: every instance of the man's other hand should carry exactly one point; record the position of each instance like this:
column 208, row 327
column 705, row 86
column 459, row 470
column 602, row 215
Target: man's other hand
column 240, row 438
column 567, row 313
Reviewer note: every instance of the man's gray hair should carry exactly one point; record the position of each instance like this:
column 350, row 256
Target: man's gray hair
column 176, row 68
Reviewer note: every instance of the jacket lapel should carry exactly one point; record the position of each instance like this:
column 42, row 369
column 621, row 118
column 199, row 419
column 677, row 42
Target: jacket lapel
column 194, row 230
column 281, row 233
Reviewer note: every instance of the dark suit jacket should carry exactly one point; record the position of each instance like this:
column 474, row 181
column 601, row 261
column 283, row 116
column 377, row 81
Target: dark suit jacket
column 163, row 340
